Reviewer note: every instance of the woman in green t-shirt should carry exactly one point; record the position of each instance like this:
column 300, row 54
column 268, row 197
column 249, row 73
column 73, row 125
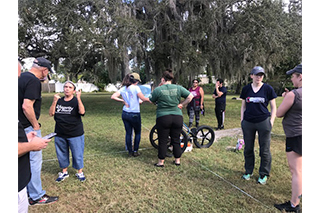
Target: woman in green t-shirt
column 169, row 115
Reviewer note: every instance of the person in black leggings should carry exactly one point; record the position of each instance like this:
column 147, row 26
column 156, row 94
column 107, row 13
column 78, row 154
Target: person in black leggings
column 169, row 115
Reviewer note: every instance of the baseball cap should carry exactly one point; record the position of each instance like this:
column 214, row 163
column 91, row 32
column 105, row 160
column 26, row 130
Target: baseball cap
column 297, row 69
column 42, row 62
column 256, row 70
column 135, row 76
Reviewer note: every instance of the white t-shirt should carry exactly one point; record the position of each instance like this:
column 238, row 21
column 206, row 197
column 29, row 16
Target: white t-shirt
column 130, row 95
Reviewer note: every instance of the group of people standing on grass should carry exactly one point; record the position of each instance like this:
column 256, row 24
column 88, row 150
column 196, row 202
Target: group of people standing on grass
column 68, row 110
column 169, row 115
column 255, row 118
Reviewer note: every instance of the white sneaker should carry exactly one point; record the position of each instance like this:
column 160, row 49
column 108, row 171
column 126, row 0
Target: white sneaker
column 81, row 176
column 62, row 176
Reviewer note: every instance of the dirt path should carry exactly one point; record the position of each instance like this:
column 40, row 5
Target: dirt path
column 227, row 133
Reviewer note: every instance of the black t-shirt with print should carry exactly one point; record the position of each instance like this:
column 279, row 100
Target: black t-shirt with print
column 68, row 120
column 29, row 87
column 257, row 103
column 24, row 172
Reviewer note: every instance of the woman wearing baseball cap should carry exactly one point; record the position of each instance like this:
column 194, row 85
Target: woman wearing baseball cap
column 291, row 111
column 255, row 117
column 131, row 95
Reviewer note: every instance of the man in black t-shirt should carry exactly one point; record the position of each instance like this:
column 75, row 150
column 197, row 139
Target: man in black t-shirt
column 29, row 106
column 219, row 95
column 25, row 145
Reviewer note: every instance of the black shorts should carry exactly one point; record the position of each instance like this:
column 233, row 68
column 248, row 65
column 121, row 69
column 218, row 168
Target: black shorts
column 294, row 144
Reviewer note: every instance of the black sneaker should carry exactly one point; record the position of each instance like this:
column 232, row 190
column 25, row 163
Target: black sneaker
column 287, row 207
column 136, row 154
column 219, row 128
column 45, row 199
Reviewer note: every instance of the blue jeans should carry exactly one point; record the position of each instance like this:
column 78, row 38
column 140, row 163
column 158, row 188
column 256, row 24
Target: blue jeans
column 131, row 121
column 76, row 145
column 34, row 187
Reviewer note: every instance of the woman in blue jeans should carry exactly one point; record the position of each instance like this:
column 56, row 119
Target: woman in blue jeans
column 131, row 95
column 67, row 112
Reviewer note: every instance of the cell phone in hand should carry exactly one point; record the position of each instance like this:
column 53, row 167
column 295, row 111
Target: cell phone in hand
column 49, row 136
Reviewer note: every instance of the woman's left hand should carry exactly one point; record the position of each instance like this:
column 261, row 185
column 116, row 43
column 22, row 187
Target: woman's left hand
column 180, row 106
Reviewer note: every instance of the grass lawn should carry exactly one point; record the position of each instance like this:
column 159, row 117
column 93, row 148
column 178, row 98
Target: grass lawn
column 206, row 181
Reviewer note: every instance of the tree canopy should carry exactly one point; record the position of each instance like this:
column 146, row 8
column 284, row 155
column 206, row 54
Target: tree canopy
column 102, row 40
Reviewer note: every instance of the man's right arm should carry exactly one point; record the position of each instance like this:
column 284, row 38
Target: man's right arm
column 35, row 144
column 28, row 110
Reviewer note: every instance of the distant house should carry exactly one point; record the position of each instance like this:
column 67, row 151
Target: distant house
column 204, row 79
column 53, row 86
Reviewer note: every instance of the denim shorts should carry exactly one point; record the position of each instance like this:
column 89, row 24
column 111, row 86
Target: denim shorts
column 76, row 145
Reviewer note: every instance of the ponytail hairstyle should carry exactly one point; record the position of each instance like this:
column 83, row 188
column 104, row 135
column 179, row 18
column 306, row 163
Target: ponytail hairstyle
column 168, row 75
column 126, row 80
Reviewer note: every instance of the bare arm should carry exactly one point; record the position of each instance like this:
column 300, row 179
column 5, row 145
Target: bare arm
column 243, row 108
column 35, row 144
column 186, row 101
column 202, row 97
column 219, row 93
column 28, row 110
column 52, row 109
column 80, row 104
column 285, row 105
column 273, row 107
column 141, row 96
column 115, row 96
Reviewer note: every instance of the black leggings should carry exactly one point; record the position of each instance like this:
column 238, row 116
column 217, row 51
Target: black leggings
column 169, row 125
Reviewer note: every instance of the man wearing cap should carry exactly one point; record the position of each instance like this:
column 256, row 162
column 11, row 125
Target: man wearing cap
column 291, row 111
column 29, row 106
column 255, row 117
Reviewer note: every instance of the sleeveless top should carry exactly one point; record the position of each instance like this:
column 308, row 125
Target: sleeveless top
column 196, row 95
column 292, row 121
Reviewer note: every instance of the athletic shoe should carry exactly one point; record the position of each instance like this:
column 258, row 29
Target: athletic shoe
column 287, row 207
column 81, row 176
column 246, row 176
column 45, row 199
column 62, row 176
column 136, row 154
column 219, row 128
column 263, row 180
